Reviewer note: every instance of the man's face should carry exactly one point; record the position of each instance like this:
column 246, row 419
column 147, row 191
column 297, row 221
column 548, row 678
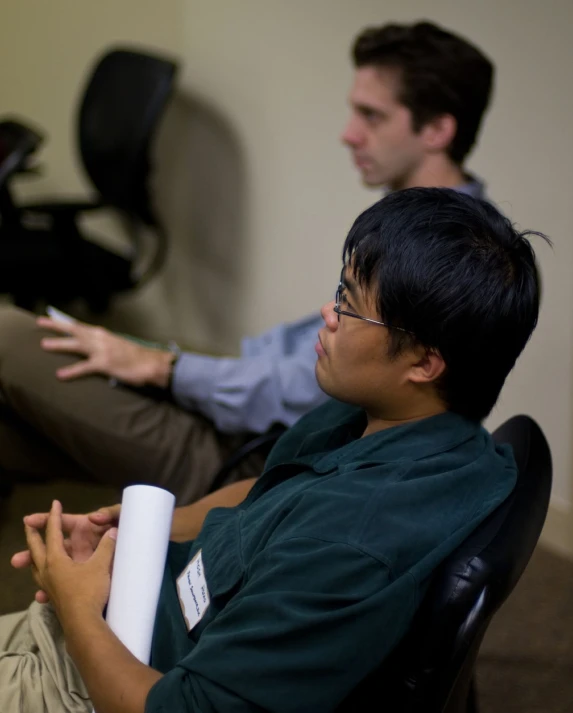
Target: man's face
column 353, row 364
column 385, row 148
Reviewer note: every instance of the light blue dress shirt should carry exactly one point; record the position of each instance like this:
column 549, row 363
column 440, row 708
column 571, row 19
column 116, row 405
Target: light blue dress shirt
column 273, row 380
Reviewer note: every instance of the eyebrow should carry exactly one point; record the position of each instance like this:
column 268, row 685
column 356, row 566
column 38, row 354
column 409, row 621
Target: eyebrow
column 368, row 109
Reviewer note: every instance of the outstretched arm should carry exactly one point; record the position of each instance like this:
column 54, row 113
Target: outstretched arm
column 272, row 382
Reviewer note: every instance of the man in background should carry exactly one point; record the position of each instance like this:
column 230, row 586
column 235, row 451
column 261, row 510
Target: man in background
column 416, row 104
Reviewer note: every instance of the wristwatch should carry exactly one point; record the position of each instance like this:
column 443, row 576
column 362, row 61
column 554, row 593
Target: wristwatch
column 175, row 349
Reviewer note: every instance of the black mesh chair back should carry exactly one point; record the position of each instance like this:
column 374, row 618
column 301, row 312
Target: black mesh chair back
column 432, row 669
column 119, row 113
column 17, row 142
column 46, row 254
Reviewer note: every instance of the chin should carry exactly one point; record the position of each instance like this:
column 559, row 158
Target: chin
column 373, row 182
column 330, row 389
column 322, row 379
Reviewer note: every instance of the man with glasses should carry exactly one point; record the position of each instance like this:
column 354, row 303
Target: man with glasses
column 312, row 580
column 174, row 418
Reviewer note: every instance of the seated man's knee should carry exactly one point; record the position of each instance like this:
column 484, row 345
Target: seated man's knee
column 15, row 325
column 19, row 344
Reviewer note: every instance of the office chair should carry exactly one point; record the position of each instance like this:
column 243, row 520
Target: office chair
column 44, row 255
column 432, row 670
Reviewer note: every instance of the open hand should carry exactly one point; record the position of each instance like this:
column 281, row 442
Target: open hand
column 105, row 353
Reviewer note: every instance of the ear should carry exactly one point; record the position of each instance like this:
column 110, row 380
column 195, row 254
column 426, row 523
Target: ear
column 428, row 368
column 439, row 132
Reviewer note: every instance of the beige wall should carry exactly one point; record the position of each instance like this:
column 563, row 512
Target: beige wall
column 257, row 191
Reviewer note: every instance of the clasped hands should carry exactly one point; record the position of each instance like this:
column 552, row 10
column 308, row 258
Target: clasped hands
column 72, row 563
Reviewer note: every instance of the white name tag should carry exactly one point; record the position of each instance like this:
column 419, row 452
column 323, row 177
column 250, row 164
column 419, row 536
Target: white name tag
column 193, row 593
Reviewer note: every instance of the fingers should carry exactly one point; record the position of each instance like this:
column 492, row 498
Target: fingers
column 54, row 534
column 80, row 368
column 58, row 326
column 36, row 520
column 69, row 521
column 100, row 517
column 39, row 520
column 106, row 548
column 21, row 559
column 41, row 597
column 106, row 515
column 79, row 340
column 66, row 345
column 71, row 346
column 36, row 546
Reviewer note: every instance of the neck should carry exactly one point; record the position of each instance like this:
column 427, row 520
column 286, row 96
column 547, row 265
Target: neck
column 438, row 170
column 378, row 422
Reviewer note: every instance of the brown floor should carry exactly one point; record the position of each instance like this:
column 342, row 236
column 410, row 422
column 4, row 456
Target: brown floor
column 526, row 661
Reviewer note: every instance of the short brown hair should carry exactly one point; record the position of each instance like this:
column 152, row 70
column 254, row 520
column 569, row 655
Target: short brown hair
column 440, row 73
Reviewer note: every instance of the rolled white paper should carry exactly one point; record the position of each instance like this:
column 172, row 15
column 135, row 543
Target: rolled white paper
column 141, row 549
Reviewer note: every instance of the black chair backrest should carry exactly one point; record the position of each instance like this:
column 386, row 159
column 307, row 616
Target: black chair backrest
column 431, row 670
column 17, row 142
column 119, row 113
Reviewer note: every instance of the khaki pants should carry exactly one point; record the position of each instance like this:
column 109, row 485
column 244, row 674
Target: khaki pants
column 36, row 673
column 85, row 429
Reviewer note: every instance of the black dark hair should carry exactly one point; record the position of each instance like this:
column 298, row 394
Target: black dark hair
column 440, row 73
column 455, row 273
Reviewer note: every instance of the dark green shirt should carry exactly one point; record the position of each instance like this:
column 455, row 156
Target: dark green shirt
column 316, row 576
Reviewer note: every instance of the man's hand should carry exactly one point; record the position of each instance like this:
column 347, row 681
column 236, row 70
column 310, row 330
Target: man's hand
column 106, row 353
column 116, row 680
column 84, row 534
column 73, row 587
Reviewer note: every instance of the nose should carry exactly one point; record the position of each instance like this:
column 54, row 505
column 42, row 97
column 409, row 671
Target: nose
column 352, row 135
column 329, row 315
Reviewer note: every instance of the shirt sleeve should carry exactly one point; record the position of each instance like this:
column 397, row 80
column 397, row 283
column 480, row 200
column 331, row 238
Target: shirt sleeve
column 274, row 382
column 312, row 620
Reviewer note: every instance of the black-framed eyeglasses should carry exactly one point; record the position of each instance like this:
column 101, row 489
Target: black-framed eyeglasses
column 340, row 299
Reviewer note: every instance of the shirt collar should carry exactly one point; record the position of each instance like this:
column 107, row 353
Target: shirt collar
column 410, row 441
column 473, row 187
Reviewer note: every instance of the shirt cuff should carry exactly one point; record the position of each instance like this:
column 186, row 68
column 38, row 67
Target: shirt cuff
column 194, row 379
